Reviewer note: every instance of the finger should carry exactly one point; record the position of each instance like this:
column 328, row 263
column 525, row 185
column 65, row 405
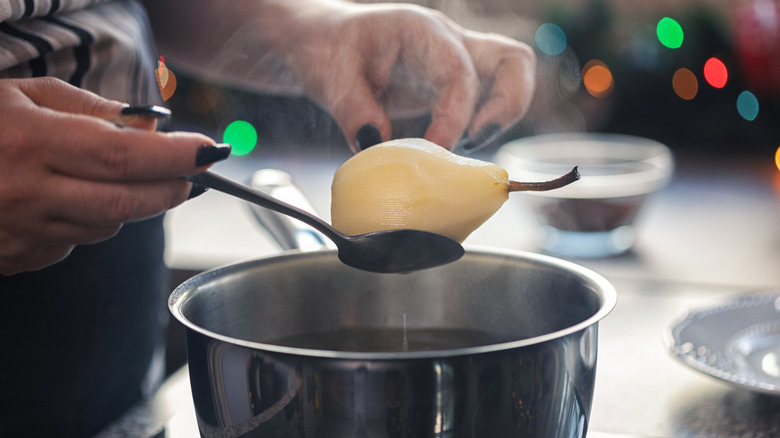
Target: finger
column 361, row 118
column 109, row 153
column 108, row 204
column 509, row 68
column 28, row 236
column 452, row 73
column 60, row 96
column 59, row 233
column 451, row 113
column 357, row 112
column 88, row 147
column 34, row 260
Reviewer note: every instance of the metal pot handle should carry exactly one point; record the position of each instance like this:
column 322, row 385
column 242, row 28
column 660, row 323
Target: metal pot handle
column 289, row 233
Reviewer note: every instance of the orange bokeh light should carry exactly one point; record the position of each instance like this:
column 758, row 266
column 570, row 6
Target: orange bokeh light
column 777, row 158
column 685, row 84
column 597, row 78
column 166, row 80
column 776, row 179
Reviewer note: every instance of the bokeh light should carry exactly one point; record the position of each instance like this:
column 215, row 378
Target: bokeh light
column 242, row 136
column 644, row 52
column 747, row 105
column 166, row 80
column 777, row 158
column 685, row 84
column 777, row 164
column 715, row 73
column 669, row 32
column 550, row 39
column 597, row 78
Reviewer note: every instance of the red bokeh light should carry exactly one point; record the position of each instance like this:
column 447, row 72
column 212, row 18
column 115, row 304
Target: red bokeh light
column 715, row 73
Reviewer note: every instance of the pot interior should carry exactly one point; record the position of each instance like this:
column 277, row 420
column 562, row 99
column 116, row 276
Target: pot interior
column 315, row 304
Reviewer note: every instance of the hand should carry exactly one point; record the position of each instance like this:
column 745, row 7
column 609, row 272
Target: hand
column 364, row 63
column 72, row 175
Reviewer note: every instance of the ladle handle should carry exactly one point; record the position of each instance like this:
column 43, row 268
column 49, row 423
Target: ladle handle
column 289, row 233
column 233, row 188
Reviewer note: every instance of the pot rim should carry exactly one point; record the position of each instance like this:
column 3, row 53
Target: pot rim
column 603, row 288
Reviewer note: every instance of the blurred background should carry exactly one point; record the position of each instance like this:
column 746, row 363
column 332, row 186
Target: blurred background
column 699, row 75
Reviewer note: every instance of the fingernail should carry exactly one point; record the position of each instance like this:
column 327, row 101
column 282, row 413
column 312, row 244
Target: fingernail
column 154, row 111
column 368, row 136
column 486, row 136
column 211, row 153
column 197, row 190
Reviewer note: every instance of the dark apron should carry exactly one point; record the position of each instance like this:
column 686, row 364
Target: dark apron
column 77, row 338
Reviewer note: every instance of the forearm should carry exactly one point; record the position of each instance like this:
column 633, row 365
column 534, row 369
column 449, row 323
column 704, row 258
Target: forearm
column 245, row 43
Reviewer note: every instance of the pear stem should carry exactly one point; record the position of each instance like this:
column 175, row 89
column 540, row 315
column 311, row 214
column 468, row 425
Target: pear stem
column 516, row 186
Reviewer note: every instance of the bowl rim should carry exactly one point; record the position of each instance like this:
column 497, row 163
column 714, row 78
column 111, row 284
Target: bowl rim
column 517, row 157
column 606, row 137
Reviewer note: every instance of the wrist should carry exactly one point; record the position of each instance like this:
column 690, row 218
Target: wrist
column 285, row 26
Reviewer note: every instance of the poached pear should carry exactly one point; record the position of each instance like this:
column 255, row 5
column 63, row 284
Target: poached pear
column 414, row 183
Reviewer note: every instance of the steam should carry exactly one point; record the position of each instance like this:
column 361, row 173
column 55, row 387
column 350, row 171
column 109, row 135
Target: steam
column 558, row 78
column 406, row 340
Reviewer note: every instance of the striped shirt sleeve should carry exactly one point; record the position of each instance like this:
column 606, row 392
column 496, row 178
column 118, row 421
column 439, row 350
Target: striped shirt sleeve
column 12, row 10
column 105, row 48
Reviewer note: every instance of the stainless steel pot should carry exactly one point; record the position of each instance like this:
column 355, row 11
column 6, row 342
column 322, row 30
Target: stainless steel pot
column 533, row 377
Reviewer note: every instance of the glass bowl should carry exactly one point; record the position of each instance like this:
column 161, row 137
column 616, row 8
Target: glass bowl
column 593, row 217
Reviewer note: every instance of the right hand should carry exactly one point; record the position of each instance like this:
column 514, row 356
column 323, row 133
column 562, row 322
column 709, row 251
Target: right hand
column 70, row 176
column 365, row 62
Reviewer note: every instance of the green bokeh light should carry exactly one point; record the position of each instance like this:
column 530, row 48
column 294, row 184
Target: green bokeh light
column 242, row 136
column 747, row 105
column 670, row 33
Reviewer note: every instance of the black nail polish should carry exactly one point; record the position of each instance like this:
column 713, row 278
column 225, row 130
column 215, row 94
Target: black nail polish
column 152, row 111
column 368, row 136
column 197, row 190
column 484, row 137
column 211, row 153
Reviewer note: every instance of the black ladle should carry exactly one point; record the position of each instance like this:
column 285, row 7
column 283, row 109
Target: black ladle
column 390, row 251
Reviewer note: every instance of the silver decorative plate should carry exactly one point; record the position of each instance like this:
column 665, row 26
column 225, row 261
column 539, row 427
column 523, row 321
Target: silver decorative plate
column 737, row 342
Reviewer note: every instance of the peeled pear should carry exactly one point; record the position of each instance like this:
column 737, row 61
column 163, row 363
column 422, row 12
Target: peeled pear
column 414, row 183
